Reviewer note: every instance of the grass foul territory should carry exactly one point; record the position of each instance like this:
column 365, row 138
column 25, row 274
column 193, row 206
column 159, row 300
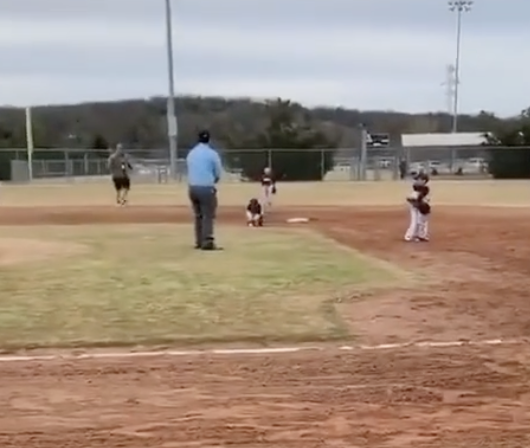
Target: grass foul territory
column 119, row 286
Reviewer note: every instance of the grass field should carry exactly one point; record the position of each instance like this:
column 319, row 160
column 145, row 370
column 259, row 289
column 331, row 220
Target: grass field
column 114, row 286
column 496, row 193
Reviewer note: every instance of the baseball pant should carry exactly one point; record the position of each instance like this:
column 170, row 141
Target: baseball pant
column 418, row 225
column 254, row 219
column 267, row 194
column 204, row 203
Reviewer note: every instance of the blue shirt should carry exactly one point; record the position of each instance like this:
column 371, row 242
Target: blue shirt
column 204, row 166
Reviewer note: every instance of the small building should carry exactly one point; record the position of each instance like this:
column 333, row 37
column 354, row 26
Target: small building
column 446, row 152
column 443, row 140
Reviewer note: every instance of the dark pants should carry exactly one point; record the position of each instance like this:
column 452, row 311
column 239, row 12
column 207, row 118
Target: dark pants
column 121, row 183
column 204, row 203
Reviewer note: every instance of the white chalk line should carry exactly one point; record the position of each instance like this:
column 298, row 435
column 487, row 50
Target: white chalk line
column 256, row 351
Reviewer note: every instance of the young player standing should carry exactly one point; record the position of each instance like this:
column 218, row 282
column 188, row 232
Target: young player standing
column 268, row 185
column 419, row 210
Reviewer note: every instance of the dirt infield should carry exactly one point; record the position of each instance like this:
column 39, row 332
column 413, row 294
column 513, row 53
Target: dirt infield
column 478, row 271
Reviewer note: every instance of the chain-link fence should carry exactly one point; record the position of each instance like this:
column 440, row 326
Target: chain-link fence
column 465, row 160
column 347, row 164
column 150, row 166
column 332, row 164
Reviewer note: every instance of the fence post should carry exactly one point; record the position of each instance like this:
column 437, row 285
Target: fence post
column 269, row 158
column 43, row 168
column 376, row 161
column 408, row 159
column 322, row 164
column 66, row 165
column 364, row 152
column 353, row 164
column 396, row 162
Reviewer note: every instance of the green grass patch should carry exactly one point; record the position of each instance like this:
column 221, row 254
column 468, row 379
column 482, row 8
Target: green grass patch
column 146, row 285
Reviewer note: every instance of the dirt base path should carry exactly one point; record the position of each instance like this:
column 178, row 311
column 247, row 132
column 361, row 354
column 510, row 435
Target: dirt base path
column 479, row 272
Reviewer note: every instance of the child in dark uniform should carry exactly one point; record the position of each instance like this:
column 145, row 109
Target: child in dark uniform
column 254, row 213
column 419, row 210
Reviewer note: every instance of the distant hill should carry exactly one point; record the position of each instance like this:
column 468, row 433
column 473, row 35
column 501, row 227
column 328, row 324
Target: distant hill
column 140, row 123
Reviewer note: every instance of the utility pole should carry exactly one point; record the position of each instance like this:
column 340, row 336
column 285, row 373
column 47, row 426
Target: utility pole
column 449, row 88
column 172, row 125
column 459, row 7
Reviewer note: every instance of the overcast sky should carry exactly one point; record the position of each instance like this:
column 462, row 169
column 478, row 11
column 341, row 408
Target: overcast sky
column 367, row 54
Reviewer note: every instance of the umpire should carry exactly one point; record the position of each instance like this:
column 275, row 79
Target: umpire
column 204, row 172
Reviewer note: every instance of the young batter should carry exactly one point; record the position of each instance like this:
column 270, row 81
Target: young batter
column 254, row 213
column 419, row 210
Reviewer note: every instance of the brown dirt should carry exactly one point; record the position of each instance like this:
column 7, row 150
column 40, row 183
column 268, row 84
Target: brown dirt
column 478, row 264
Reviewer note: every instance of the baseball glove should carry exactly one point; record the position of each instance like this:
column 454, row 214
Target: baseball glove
column 273, row 190
column 424, row 208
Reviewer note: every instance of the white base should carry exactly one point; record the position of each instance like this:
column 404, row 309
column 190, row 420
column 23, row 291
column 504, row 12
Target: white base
column 297, row 220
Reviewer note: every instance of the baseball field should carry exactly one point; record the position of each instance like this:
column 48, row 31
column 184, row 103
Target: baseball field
column 115, row 332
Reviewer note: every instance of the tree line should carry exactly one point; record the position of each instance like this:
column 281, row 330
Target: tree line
column 248, row 124
column 513, row 160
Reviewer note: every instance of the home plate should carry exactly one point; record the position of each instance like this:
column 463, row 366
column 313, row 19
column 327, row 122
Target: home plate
column 297, row 220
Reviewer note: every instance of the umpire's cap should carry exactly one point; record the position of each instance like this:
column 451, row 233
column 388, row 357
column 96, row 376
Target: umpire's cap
column 204, row 137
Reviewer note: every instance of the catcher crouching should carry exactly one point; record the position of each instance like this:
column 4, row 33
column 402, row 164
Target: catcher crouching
column 254, row 213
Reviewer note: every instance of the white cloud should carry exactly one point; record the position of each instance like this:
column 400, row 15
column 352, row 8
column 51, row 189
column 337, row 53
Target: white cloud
column 37, row 89
column 360, row 45
column 79, row 33
column 362, row 56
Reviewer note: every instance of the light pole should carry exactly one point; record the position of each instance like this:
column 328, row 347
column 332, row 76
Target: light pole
column 29, row 142
column 172, row 126
column 458, row 6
